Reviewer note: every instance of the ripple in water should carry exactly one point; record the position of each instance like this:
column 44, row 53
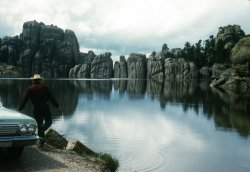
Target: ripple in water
column 133, row 155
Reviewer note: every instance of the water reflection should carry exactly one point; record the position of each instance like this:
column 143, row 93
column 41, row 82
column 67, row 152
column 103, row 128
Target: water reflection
column 227, row 110
column 148, row 126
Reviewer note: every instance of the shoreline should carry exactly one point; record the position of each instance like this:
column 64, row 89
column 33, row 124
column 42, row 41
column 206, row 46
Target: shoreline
column 79, row 153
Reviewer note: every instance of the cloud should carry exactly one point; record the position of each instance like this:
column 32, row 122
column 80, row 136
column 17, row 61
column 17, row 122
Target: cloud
column 124, row 26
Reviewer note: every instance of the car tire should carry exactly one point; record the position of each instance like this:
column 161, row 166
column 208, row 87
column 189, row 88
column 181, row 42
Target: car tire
column 15, row 152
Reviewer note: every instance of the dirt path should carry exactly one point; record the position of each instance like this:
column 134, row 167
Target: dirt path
column 49, row 160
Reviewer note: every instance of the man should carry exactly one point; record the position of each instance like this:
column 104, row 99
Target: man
column 39, row 95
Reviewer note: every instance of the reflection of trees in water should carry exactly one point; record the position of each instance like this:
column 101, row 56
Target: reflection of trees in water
column 66, row 95
column 231, row 111
column 228, row 111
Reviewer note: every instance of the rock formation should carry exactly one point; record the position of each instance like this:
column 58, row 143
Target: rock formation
column 229, row 36
column 137, row 66
column 120, row 68
column 205, row 73
column 236, row 79
column 180, row 69
column 240, row 57
column 102, row 66
column 41, row 48
column 8, row 71
column 217, row 70
column 155, row 68
column 92, row 66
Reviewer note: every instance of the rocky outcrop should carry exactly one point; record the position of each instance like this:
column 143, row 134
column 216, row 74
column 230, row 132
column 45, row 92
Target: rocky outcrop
column 217, row 70
column 8, row 71
column 82, row 70
column 180, row 69
column 120, row 68
column 236, row 85
column 228, row 36
column 240, row 57
column 102, row 66
column 10, row 48
column 25, row 61
column 55, row 139
column 137, row 66
column 205, row 73
column 155, row 68
column 46, row 49
column 236, row 79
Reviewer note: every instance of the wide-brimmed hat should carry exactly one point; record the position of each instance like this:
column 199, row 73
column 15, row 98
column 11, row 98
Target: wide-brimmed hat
column 37, row 77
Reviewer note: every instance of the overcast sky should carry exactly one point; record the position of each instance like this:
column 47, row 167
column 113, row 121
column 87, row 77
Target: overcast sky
column 125, row 26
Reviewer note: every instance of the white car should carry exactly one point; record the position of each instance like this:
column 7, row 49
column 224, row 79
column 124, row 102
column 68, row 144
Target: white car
column 16, row 131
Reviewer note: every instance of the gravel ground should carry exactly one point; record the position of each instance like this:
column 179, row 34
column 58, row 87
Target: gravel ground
column 49, row 159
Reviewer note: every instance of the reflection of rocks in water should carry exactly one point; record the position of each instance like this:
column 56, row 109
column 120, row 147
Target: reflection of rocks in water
column 136, row 88
column 120, row 85
column 176, row 90
column 102, row 87
column 66, row 95
column 154, row 89
column 82, row 86
column 181, row 91
column 229, row 111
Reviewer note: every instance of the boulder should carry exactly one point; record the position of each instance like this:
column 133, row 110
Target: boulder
column 79, row 148
column 137, row 66
column 102, row 66
column 55, row 139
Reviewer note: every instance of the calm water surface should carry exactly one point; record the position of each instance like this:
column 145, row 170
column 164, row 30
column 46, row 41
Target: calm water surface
column 175, row 126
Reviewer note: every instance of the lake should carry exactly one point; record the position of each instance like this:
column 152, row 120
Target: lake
column 175, row 126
